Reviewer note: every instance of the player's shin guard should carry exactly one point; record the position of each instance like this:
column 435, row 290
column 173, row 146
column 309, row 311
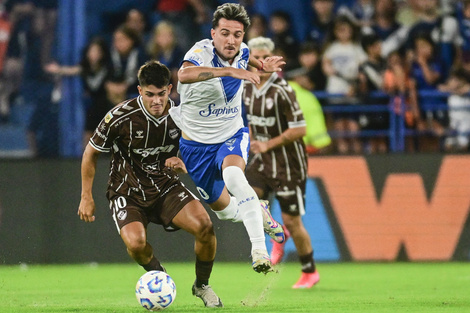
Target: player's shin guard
column 248, row 204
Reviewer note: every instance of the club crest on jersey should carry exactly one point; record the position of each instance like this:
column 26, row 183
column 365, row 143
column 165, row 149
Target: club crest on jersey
column 108, row 117
column 173, row 133
column 269, row 103
column 243, row 64
column 139, row 134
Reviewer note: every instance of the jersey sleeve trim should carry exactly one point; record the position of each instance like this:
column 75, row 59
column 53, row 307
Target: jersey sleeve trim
column 101, row 149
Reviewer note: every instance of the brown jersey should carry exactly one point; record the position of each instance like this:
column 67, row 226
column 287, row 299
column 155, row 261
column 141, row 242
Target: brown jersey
column 140, row 143
column 270, row 111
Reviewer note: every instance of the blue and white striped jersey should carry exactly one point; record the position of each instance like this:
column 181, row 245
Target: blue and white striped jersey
column 210, row 111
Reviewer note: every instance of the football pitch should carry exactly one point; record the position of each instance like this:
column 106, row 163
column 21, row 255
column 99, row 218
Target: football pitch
column 344, row 287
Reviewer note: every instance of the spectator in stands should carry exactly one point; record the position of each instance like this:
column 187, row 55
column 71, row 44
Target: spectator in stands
column 308, row 71
column 359, row 11
column 322, row 21
column 126, row 58
column 383, row 23
column 136, row 20
column 463, row 16
column 258, row 27
column 280, row 33
column 371, row 78
column 444, row 32
column 402, row 89
column 93, row 69
column 18, row 17
column 426, row 72
column 408, row 12
column 188, row 17
column 459, row 110
column 163, row 47
column 341, row 61
column 44, row 26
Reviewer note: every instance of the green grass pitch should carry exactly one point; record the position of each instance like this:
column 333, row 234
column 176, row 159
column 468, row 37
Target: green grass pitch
column 344, row 287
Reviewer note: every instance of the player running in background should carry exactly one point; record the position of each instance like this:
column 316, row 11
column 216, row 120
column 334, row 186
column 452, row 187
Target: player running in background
column 214, row 144
column 143, row 183
column 279, row 164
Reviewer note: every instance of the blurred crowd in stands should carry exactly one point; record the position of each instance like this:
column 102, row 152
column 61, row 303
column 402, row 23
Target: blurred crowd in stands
column 412, row 57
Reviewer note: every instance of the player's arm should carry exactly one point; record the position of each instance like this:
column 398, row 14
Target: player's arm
column 269, row 65
column 86, row 210
column 288, row 136
column 190, row 73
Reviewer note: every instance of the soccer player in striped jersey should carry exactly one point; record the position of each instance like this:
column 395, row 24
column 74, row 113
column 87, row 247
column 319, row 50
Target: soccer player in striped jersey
column 143, row 183
column 214, row 144
column 279, row 164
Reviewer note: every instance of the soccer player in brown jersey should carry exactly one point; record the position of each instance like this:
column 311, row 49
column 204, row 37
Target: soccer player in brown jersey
column 279, row 162
column 143, row 183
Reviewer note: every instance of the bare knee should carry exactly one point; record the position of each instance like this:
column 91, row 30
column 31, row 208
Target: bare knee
column 205, row 230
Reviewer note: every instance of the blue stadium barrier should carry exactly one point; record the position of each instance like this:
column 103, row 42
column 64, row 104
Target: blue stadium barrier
column 429, row 101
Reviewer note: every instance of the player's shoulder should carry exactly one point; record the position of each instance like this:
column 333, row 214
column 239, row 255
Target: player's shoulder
column 122, row 110
column 201, row 51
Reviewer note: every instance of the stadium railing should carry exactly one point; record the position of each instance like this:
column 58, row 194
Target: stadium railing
column 429, row 101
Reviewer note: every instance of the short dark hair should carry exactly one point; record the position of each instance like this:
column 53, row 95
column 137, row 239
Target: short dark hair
column 154, row 73
column 231, row 12
column 369, row 40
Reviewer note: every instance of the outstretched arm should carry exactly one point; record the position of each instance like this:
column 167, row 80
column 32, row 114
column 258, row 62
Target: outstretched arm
column 288, row 136
column 86, row 210
column 268, row 65
column 189, row 73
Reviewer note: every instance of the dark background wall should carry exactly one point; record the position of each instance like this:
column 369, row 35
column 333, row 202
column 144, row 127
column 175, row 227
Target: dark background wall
column 373, row 208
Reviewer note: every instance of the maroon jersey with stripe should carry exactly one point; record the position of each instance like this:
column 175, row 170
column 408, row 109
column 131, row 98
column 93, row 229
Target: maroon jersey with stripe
column 270, row 111
column 140, row 143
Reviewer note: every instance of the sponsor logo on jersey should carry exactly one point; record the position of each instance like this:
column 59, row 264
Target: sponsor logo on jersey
column 197, row 50
column 122, row 215
column 108, row 117
column 152, row 151
column 173, row 133
column 211, row 111
column 195, row 59
column 139, row 134
column 203, row 193
column 182, row 195
column 261, row 120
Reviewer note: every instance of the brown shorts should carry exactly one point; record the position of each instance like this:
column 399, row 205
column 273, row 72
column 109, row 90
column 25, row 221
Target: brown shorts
column 290, row 194
column 161, row 210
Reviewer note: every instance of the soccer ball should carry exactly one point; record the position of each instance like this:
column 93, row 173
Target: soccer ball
column 155, row 290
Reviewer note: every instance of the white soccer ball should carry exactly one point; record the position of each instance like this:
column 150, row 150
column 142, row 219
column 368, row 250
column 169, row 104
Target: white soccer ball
column 155, row 290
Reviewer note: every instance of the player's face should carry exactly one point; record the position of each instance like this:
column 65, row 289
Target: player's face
column 155, row 99
column 227, row 38
column 261, row 54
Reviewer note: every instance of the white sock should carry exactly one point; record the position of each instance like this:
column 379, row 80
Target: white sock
column 248, row 204
column 231, row 212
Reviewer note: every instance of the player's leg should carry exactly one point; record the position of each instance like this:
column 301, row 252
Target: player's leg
column 131, row 223
column 134, row 236
column 249, row 205
column 194, row 219
column 293, row 208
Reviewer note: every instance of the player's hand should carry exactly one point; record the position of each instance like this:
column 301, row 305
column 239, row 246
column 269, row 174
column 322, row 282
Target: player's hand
column 273, row 64
column 86, row 210
column 258, row 146
column 176, row 164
